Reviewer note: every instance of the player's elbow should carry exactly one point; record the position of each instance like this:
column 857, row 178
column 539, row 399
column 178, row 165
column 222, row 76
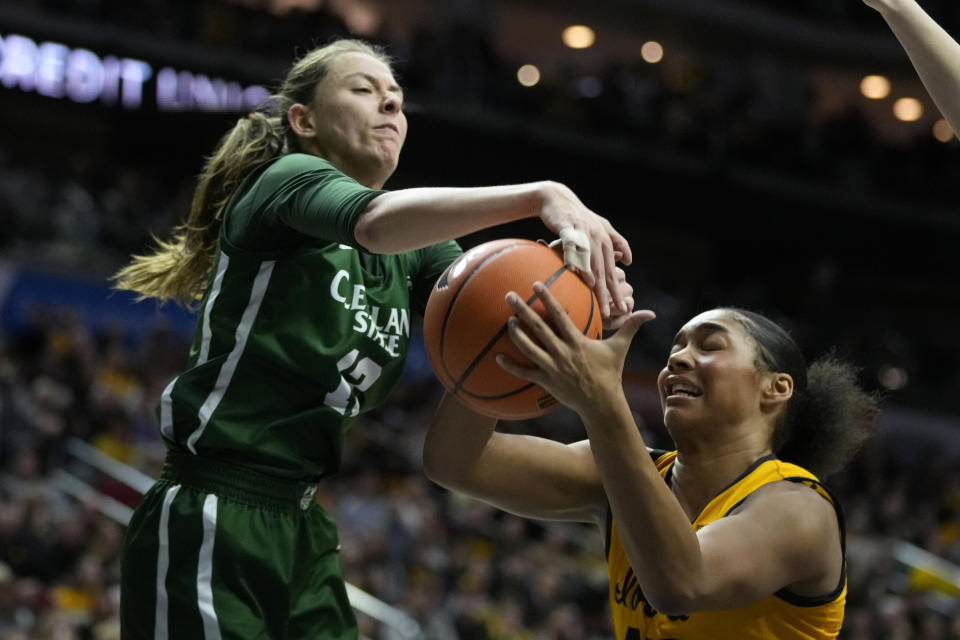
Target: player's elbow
column 439, row 467
column 376, row 228
column 433, row 467
column 368, row 233
column 671, row 604
column 446, row 469
column 676, row 598
column 448, row 476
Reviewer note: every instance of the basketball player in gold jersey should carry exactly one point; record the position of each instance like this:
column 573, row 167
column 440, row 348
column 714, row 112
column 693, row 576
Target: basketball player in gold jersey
column 731, row 536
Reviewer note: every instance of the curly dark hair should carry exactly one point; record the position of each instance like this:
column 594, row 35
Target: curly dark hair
column 829, row 415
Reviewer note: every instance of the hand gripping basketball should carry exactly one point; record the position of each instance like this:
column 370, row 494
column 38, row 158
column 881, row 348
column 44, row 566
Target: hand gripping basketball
column 465, row 323
column 564, row 214
column 578, row 372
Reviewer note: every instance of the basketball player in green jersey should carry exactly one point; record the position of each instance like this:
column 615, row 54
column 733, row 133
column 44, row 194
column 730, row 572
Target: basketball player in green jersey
column 934, row 53
column 306, row 273
column 731, row 536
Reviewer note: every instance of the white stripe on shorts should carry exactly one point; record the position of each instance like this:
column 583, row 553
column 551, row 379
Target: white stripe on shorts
column 211, row 628
column 163, row 562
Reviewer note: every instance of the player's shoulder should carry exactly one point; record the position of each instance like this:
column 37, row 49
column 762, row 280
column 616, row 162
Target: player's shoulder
column 287, row 172
column 786, row 490
column 794, row 504
column 294, row 163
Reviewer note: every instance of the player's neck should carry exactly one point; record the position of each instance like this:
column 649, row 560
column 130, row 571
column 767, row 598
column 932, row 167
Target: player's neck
column 700, row 474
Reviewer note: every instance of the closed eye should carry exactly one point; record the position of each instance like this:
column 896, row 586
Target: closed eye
column 714, row 341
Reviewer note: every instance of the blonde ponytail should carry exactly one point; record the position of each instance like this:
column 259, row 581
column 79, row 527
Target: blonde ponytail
column 179, row 268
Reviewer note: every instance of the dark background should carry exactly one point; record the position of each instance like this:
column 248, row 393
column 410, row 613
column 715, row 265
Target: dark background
column 745, row 169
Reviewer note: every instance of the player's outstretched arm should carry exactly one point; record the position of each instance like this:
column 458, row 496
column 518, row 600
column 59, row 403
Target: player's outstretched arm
column 409, row 219
column 525, row 475
column 934, row 53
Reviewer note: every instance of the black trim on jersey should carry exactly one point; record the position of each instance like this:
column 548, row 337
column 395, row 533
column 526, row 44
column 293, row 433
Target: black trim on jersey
column 753, row 466
column 784, row 594
column 811, row 601
column 815, row 601
column 756, row 463
column 737, row 504
column 742, row 476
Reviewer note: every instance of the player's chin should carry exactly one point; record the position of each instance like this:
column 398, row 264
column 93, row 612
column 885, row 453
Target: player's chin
column 387, row 149
column 383, row 166
column 676, row 416
column 387, row 158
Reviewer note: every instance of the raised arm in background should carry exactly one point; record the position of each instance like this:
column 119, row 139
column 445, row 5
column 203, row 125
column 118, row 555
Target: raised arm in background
column 934, row 53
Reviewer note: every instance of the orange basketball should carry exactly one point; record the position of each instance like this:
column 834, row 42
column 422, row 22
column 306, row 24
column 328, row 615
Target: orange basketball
column 465, row 323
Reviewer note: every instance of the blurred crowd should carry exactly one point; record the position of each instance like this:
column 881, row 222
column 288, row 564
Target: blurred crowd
column 720, row 106
column 85, row 213
column 460, row 569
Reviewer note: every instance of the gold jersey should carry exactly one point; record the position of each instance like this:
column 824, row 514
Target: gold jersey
column 780, row 616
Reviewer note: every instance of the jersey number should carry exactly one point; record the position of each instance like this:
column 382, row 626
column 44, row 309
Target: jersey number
column 355, row 375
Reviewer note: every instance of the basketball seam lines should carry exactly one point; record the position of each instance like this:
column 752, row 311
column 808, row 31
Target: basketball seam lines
column 456, row 294
column 486, row 349
column 530, row 384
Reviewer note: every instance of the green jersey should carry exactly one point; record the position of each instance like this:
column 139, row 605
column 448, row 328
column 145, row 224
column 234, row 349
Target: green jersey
column 300, row 329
